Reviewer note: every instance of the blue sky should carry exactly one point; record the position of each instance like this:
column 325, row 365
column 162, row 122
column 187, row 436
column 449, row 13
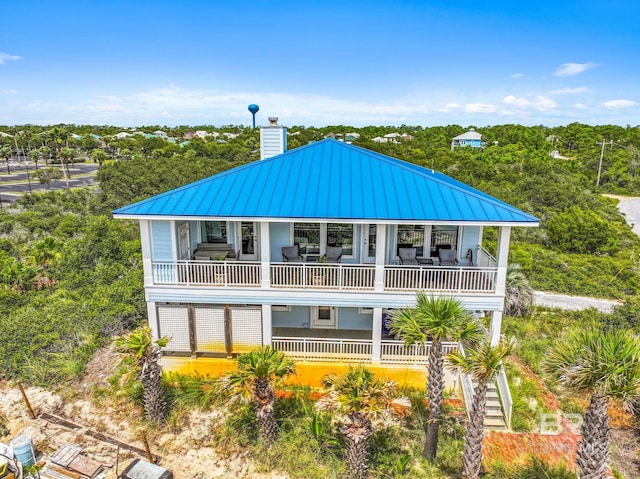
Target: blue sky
column 318, row 63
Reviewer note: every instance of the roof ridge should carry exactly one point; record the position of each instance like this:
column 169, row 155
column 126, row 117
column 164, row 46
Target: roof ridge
column 412, row 167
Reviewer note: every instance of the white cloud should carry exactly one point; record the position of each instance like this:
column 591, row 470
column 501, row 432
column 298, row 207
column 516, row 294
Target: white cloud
column 569, row 91
column 580, row 106
column 448, row 107
column 618, row 104
column 541, row 103
column 479, row 108
column 9, row 91
column 571, row 69
column 5, row 57
column 517, row 75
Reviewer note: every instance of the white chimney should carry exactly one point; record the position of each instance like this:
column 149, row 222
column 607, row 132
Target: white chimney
column 273, row 139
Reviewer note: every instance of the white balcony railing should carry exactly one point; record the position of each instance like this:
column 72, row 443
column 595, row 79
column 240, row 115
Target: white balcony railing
column 322, row 276
column 207, row 273
column 440, row 278
column 321, row 349
column 344, row 277
column 355, row 350
column 396, row 352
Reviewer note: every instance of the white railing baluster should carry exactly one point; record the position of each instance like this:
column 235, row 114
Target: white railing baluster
column 341, row 277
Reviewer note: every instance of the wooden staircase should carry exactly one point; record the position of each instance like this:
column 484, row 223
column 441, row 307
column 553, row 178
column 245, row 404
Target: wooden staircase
column 494, row 420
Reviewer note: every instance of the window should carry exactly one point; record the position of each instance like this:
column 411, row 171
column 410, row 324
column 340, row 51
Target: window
column 411, row 236
column 443, row 237
column 365, row 310
column 214, row 232
column 341, row 234
column 307, row 237
column 281, row 308
column 311, row 236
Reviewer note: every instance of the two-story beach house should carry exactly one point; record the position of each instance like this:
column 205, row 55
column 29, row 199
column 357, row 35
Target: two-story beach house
column 308, row 250
column 471, row 139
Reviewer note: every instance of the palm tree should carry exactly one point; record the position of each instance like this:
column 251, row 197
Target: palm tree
column 519, row 293
column 482, row 362
column 139, row 345
column 604, row 365
column 362, row 397
column 437, row 320
column 45, row 251
column 19, row 276
column 60, row 136
column 6, row 154
column 257, row 373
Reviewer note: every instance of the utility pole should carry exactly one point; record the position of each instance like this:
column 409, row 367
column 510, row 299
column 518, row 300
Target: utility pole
column 601, row 156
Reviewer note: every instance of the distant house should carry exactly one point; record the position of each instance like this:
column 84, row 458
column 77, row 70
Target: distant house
column 231, row 135
column 471, row 138
column 123, row 134
column 406, row 136
column 201, row 134
column 189, row 135
column 160, row 134
column 379, row 139
column 351, row 137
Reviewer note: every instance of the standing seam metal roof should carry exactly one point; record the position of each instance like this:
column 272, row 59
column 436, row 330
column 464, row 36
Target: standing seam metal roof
column 330, row 180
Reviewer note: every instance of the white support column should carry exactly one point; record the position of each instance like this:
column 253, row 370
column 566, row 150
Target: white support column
column 265, row 258
column 266, row 325
column 145, row 238
column 495, row 327
column 152, row 319
column 376, row 336
column 174, row 241
column 381, row 254
column 502, row 258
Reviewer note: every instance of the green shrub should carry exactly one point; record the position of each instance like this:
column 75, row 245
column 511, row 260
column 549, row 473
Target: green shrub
column 581, row 231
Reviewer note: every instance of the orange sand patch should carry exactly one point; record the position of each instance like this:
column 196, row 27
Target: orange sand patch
column 307, row 374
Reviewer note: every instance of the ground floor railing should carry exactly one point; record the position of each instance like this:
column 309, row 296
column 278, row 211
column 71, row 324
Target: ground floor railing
column 396, row 352
column 355, row 350
column 321, row 349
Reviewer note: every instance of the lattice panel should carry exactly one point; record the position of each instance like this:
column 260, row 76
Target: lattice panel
column 173, row 321
column 246, row 328
column 209, row 329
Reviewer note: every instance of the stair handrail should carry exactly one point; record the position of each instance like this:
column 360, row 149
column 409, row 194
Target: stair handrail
column 467, row 386
column 506, row 401
column 505, row 396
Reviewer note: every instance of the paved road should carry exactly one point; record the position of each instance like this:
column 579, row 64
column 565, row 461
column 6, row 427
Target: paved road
column 572, row 303
column 15, row 184
column 630, row 208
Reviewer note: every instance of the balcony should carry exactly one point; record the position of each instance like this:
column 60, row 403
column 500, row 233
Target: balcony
column 328, row 277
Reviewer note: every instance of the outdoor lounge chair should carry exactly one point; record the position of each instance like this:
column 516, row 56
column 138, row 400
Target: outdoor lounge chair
column 408, row 255
column 333, row 254
column 448, row 257
column 291, row 254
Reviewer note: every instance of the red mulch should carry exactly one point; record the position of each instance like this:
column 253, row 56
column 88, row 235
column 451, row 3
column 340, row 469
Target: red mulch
column 517, row 448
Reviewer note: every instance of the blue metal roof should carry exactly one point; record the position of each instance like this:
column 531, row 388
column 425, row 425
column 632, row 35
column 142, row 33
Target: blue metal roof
column 330, row 180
